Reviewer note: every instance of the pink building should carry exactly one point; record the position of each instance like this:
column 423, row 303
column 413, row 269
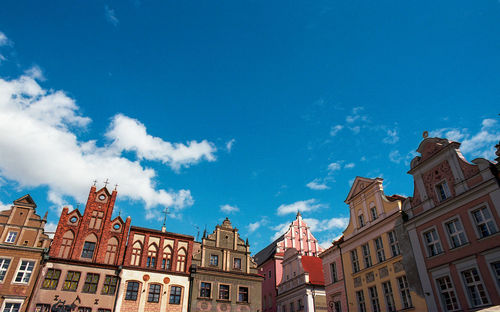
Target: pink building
column 269, row 259
column 336, row 299
column 453, row 222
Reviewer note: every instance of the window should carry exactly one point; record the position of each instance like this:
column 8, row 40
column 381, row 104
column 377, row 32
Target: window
column 333, row 272
column 373, row 211
column 237, row 263
column 242, row 294
column 151, row 260
column 475, row 288
column 109, row 258
column 361, row 219
column 154, row 293
column 88, row 250
column 448, row 297
column 205, row 290
column 432, row 243
column 393, row 242
column 269, row 274
column 12, row 307
column 442, row 191
column 337, row 306
column 361, row 301
column 103, row 310
column 91, row 281
column 11, row 237
column 224, row 292
column 4, row 267
column 132, row 291
column 374, row 299
column 181, row 260
column 109, row 286
column 166, row 262
column 292, row 307
column 214, row 260
column 51, row 279
column 496, row 270
column 96, row 220
column 404, row 290
column 41, row 307
column 484, row 222
column 455, row 233
column 389, row 298
column 136, row 254
column 301, row 307
column 367, row 259
column 71, row 282
column 67, row 242
column 283, row 308
column 84, row 309
column 379, row 247
column 25, row 270
column 354, row 260
column 175, row 295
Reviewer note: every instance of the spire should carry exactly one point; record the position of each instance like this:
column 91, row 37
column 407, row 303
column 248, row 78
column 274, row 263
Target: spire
column 204, row 233
column 298, row 214
column 246, row 243
column 45, row 216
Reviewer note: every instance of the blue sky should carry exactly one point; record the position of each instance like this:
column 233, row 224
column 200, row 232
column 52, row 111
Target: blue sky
column 245, row 109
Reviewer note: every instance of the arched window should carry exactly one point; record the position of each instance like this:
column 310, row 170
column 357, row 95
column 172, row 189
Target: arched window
column 166, row 262
column 96, row 220
column 152, row 255
column 67, row 242
column 111, row 251
column 136, row 253
column 89, row 247
column 181, row 260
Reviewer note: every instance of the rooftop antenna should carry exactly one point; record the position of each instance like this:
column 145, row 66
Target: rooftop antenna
column 164, row 228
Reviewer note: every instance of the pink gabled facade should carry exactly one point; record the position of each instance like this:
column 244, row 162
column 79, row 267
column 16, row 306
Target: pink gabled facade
column 270, row 259
column 453, row 222
column 336, row 299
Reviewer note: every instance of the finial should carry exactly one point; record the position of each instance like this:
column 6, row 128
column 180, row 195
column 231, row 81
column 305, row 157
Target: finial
column 106, row 182
column 45, row 216
column 116, row 186
column 298, row 214
column 246, row 243
column 164, row 228
column 425, row 134
column 95, row 182
column 204, row 233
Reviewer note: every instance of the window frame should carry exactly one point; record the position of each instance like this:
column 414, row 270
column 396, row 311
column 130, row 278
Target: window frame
column 212, row 257
column 202, row 289
column 108, row 283
column 379, row 250
column 9, row 239
column 375, row 302
column 434, row 242
column 404, row 292
column 247, row 294
column 446, row 191
column 452, row 289
column 177, row 298
column 72, row 281
column 389, row 296
column 474, row 223
column 465, row 286
column 85, row 251
column 393, row 243
column 133, row 291
column 154, row 297
column 228, row 292
column 361, row 302
column 51, row 279
column 355, row 261
column 6, row 270
column 91, row 283
column 12, row 301
column 19, row 265
column 367, row 257
column 449, row 235
column 236, row 267
column 333, row 272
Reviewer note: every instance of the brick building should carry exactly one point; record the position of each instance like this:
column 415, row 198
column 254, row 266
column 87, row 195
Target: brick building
column 85, row 257
column 22, row 246
column 224, row 275
column 155, row 275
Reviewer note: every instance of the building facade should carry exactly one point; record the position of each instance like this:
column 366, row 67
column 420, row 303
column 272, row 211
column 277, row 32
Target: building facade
column 302, row 286
column 84, row 262
column 22, row 246
column 224, row 277
column 374, row 276
column 269, row 259
column 155, row 274
column 333, row 272
column 453, row 221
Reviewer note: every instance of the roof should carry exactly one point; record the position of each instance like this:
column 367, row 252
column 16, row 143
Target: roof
column 395, row 197
column 269, row 251
column 314, row 266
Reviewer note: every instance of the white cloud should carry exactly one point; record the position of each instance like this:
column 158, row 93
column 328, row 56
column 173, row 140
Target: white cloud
column 334, row 166
column 349, row 165
column 355, row 129
column 229, row 209
column 326, row 243
column 129, row 134
column 280, row 230
column 40, row 147
column 335, row 129
column 302, row 206
column 111, row 16
column 4, row 206
column 316, row 184
column 395, row 156
column 355, row 115
column 392, row 137
column 50, row 229
column 326, row 225
column 3, row 39
column 252, row 227
column 229, row 145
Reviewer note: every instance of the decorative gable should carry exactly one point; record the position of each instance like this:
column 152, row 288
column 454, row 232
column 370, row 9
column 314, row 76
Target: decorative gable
column 25, row 201
column 358, row 186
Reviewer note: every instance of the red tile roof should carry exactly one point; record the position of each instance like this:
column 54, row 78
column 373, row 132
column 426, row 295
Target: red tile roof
column 314, row 266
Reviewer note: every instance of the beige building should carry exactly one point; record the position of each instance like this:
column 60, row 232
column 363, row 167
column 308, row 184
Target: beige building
column 22, row 246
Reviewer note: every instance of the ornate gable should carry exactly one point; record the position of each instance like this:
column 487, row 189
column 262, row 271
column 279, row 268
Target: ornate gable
column 25, row 201
column 359, row 185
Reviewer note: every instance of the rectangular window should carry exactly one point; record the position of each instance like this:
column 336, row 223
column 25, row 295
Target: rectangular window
column 269, row 274
column 71, row 282
column 292, row 307
column 103, row 310
column 214, row 260
column 11, row 307
column 242, row 294
column 11, row 237
column 84, row 309
column 333, row 271
column 484, row 222
column 237, row 263
column 393, row 242
column 354, row 260
column 443, row 191
column 224, row 292
column 475, row 288
column 379, row 247
column 301, row 306
column 373, row 211
column 361, row 301
column 374, row 299
column 25, row 270
column 496, row 270
column 175, row 295
column 51, row 279
column 404, row 290
column 361, row 220
column 367, row 259
column 41, row 307
column 132, row 291
column 448, row 297
column 91, row 281
column 337, row 306
column 109, row 286
column 389, row 297
column 88, row 250
column 456, row 233
column 205, row 290
column 432, row 243
column 4, row 267
column 154, row 293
